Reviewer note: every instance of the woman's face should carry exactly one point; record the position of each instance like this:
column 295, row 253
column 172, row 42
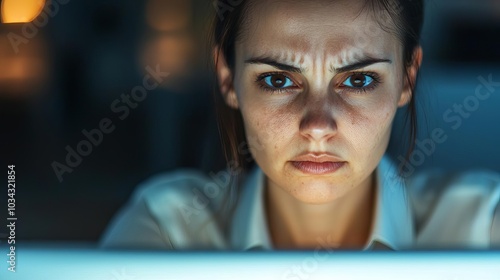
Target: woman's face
column 316, row 77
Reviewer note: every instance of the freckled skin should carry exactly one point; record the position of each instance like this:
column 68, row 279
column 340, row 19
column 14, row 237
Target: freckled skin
column 318, row 114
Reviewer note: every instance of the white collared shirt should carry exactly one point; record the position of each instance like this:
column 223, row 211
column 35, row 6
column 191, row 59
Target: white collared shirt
column 181, row 210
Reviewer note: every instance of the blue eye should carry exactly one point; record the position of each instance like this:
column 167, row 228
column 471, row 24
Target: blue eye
column 278, row 81
column 358, row 81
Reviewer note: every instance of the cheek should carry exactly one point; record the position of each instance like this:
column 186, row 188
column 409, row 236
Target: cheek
column 268, row 129
column 365, row 119
column 369, row 126
column 269, row 122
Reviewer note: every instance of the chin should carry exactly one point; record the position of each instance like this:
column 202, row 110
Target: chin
column 317, row 193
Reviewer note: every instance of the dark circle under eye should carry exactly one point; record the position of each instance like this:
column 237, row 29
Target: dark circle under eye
column 358, row 80
column 278, row 80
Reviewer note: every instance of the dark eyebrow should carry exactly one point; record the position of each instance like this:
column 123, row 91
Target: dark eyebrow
column 272, row 62
column 357, row 65
column 360, row 64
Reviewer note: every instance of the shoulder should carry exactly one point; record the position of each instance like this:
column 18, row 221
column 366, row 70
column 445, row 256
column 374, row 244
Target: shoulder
column 173, row 187
column 471, row 185
column 180, row 207
column 456, row 209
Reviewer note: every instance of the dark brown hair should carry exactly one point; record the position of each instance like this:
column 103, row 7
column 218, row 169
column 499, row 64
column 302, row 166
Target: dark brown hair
column 406, row 20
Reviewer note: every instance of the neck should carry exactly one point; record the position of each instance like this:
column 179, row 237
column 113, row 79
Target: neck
column 343, row 223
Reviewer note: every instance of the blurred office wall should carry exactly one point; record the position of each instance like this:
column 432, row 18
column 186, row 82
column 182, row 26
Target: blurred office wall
column 458, row 93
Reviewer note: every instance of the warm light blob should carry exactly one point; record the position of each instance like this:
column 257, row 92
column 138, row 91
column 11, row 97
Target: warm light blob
column 18, row 11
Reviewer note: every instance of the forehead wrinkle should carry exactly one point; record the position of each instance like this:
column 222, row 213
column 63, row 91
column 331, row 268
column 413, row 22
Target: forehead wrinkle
column 334, row 52
column 298, row 59
column 318, row 62
column 341, row 47
column 288, row 57
column 345, row 57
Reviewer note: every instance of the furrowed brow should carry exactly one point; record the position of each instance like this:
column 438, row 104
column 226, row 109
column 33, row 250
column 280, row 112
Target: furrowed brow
column 347, row 68
column 274, row 63
column 360, row 64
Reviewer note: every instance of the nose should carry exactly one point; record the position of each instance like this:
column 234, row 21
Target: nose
column 318, row 124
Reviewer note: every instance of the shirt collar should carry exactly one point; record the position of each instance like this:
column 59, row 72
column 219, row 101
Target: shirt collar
column 392, row 227
column 393, row 219
column 249, row 226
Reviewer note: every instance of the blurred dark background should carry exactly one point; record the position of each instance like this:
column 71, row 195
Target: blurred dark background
column 61, row 73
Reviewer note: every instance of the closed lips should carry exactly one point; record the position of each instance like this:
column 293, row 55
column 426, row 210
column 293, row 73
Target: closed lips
column 315, row 157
